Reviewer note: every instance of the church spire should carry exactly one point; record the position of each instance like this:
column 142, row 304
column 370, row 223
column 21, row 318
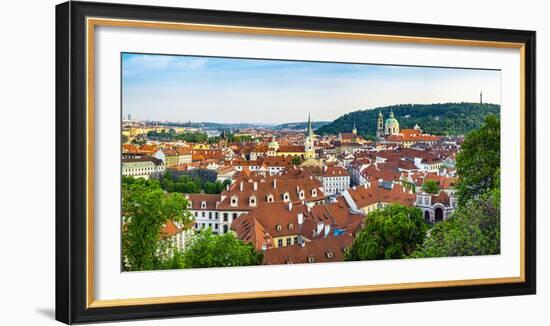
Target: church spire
column 354, row 130
column 309, row 129
column 480, row 97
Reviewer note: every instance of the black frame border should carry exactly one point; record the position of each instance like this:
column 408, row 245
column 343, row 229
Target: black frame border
column 71, row 162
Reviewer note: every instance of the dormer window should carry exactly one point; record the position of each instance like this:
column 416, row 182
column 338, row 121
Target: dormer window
column 310, row 259
column 291, row 226
column 203, row 204
column 314, row 192
column 330, row 255
column 252, row 201
column 269, row 198
column 286, row 197
column 278, row 227
column 234, row 201
column 189, row 204
column 301, row 194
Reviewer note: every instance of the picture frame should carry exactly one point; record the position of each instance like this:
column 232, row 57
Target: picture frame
column 76, row 129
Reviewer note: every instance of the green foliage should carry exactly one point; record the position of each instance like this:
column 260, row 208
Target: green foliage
column 145, row 209
column 437, row 119
column 187, row 185
column 296, row 160
column 175, row 261
column 431, row 186
column 391, row 233
column 478, row 162
column 232, row 138
column 192, row 137
column 474, row 229
column 124, row 139
column 208, row 250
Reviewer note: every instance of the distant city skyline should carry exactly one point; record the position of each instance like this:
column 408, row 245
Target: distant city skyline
column 231, row 90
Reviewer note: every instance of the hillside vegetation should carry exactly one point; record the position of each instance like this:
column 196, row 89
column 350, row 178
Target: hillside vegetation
column 437, row 119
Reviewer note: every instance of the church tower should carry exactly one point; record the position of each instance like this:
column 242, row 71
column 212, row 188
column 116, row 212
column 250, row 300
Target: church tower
column 308, row 145
column 354, row 130
column 391, row 125
column 481, row 97
column 380, row 126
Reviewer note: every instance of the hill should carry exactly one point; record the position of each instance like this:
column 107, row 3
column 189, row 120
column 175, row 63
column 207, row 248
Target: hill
column 300, row 125
column 436, row 119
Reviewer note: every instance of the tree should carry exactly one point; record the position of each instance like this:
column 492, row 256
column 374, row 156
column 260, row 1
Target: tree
column 208, row 250
column 473, row 230
column 296, row 160
column 431, row 186
column 478, row 162
column 391, row 233
column 145, row 210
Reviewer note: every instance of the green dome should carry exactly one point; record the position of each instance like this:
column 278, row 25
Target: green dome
column 391, row 121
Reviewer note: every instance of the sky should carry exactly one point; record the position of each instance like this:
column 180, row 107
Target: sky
column 232, row 90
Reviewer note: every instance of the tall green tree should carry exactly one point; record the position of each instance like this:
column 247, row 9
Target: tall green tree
column 474, row 229
column 478, row 162
column 431, row 186
column 391, row 233
column 209, row 250
column 145, row 210
column 296, row 160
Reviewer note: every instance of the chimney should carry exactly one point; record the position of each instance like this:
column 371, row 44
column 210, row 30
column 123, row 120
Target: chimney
column 255, row 186
column 241, row 186
column 289, row 205
column 274, row 183
column 327, row 230
column 300, row 218
column 320, row 226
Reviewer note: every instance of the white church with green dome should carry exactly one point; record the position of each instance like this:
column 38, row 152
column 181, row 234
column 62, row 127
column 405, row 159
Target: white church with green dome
column 389, row 127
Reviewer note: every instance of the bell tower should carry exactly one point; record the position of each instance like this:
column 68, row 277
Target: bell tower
column 380, row 126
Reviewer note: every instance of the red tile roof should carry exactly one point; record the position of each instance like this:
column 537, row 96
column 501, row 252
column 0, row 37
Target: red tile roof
column 321, row 250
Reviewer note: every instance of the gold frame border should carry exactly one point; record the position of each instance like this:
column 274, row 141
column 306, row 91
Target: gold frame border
column 92, row 22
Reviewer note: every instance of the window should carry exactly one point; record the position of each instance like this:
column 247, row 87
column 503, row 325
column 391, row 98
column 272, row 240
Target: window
column 225, row 217
column 210, row 215
column 330, row 254
column 280, row 242
column 216, row 226
column 310, row 259
column 295, row 240
column 285, row 197
column 203, row 214
column 278, row 227
column 288, row 241
column 203, row 204
column 291, row 226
